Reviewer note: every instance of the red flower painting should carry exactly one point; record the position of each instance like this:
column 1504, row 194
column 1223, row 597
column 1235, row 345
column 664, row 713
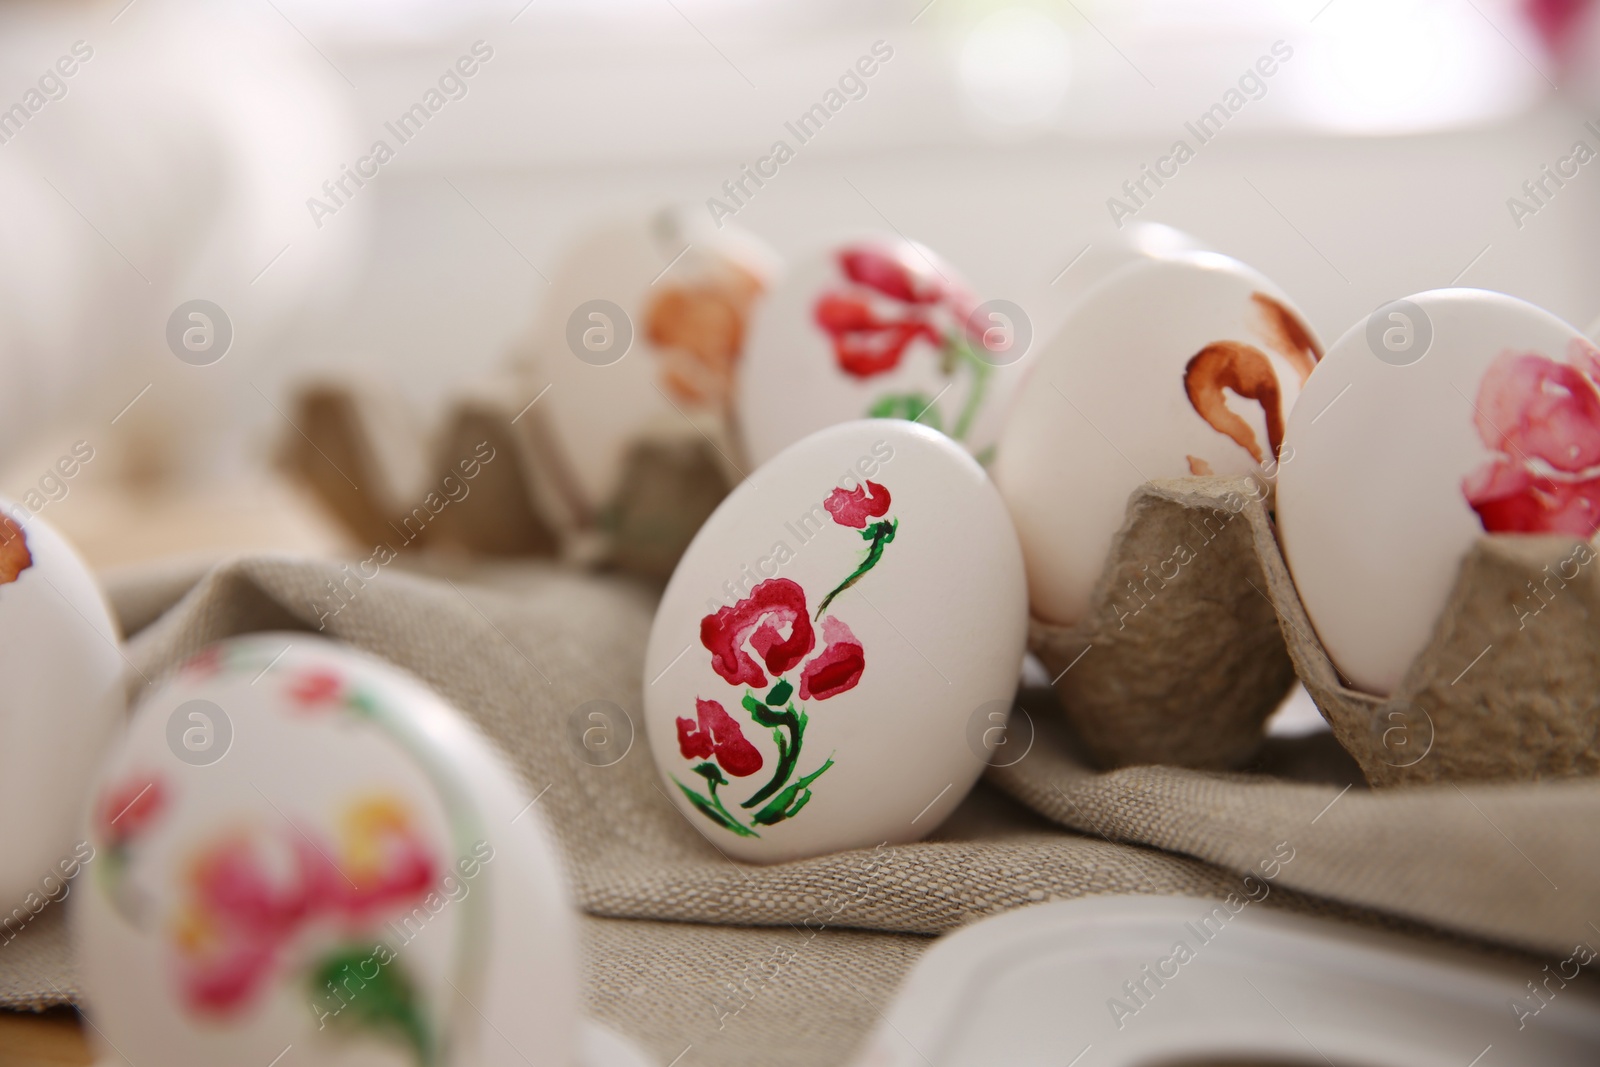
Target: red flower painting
column 853, row 507
column 715, row 735
column 837, row 668
column 867, row 343
column 316, row 687
column 890, row 298
column 757, row 622
column 775, row 623
column 1542, row 420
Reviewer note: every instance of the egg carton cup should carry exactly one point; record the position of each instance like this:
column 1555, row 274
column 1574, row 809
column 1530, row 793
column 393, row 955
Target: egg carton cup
column 1197, row 633
column 365, row 457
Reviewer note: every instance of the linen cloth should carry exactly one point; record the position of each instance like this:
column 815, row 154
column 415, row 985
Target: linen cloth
column 717, row 962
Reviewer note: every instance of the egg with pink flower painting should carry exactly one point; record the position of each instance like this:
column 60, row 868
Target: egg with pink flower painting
column 298, row 845
column 828, row 640
column 1435, row 420
column 877, row 327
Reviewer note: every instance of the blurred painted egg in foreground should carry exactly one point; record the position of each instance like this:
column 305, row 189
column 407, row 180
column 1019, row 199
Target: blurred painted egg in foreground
column 828, row 640
column 876, row 327
column 645, row 321
column 300, row 845
column 63, row 678
column 1433, row 421
column 1182, row 365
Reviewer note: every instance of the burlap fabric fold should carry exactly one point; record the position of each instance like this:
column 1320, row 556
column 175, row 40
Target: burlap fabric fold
column 724, row 963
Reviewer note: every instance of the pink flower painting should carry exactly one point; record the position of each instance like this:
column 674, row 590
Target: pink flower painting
column 261, row 902
column 1541, row 418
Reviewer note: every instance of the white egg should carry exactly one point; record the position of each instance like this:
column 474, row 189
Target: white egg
column 877, row 326
column 1433, row 421
column 1170, row 367
column 300, row 845
column 827, row 642
column 63, row 677
column 644, row 323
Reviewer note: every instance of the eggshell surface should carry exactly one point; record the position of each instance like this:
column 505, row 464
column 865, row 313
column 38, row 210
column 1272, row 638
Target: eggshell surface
column 1182, row 365
column 63, row 674
column 1436, row 420
column 300, row 845
column 826, row 641
column 876, row 326
column 645, row 321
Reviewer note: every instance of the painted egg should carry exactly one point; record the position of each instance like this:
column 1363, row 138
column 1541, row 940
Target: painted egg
column 1435, row 420
column 1181, row 365
column 877, row 327
column 1098, row 260
column 644, row 322
column 64, row 697
column 827, row 641
column 300, row 846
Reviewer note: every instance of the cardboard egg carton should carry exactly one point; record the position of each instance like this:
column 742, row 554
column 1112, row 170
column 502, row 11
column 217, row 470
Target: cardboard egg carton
column 361, row 454
column 1197, row 634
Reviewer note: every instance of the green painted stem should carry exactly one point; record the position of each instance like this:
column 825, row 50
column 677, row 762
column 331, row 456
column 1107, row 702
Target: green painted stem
column 788, row 749
column 712, row 808
column 881, row 533
column 980, row 383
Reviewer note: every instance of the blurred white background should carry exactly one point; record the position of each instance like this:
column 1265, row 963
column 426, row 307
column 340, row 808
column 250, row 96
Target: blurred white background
column 1377, row 162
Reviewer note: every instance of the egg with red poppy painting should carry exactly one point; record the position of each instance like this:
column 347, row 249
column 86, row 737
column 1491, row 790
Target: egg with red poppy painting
column 876, row 327
column 61, row 660
column 826, row 642
column 1436, row 420
column 1183, row 365
column 300, row 846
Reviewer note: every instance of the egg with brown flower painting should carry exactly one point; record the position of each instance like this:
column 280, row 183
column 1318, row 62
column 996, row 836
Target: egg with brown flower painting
column 1184, row 365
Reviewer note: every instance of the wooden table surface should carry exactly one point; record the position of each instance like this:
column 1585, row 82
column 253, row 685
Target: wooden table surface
column 50, row 1039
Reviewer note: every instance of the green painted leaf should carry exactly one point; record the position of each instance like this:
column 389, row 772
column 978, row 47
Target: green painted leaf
column 714, row 811
column 780, row 693
column 384, row 1004
column 788, row 803
column 805, row 798
column 710, row 772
